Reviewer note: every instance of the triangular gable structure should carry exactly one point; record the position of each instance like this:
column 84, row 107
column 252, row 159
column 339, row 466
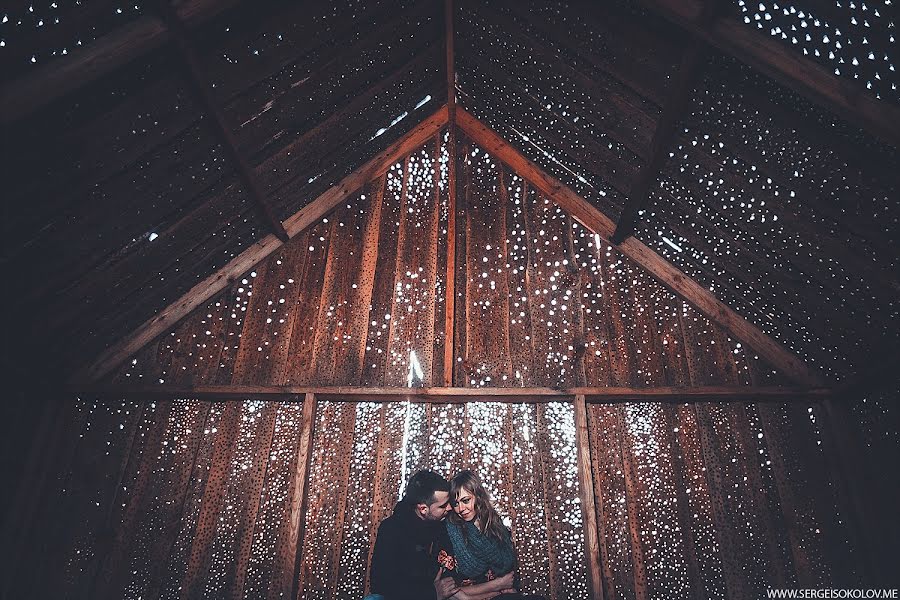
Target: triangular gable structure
column 587, row 249
column 541, row 300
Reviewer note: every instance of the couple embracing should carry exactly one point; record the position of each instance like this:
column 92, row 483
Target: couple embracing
column 444, row 540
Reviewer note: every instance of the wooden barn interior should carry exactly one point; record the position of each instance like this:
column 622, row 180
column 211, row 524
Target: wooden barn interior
column 636, row 262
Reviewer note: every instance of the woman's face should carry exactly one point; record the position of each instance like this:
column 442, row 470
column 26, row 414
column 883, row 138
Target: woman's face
column 465, row 505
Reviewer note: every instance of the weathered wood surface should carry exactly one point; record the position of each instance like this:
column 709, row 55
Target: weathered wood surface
column 662, row 270
column 539, row 302
column 847, row 99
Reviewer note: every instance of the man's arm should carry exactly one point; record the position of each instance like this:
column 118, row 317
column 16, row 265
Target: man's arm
column 488, row 589
column 383, row 576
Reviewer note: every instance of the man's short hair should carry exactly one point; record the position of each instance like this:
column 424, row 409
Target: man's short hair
column 423, row 485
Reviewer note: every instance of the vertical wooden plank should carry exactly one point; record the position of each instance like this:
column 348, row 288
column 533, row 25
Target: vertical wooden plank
column 696, row 503
column 728, row 540
column 213, row 494
column 529, row 521
column 338, row 291
column 621, row 351
column 487, row 295
column 111, row 573
column 597, row 348
column 265, row 337
column 668, row 309
column 376, row 355
column 450, row 260
column 565, row 528
column 516, row 274
column 413, row 310
column 586, row 481
column 575, row 303
column 682, row 488
column 462, row 274
column 326, row 498
column 310, row 274
column 354, row 524
column 361, row 311
column 249, row 491
column 632, row 484
column 606, row 427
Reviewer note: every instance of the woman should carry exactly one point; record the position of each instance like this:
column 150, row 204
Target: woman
column 481, row 557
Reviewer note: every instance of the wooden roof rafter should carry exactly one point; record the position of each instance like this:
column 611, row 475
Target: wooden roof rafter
column 25, row 95
column 672, row 112
column 844, row 98
column 203, row 90
column 300, row 220
column 665, row 272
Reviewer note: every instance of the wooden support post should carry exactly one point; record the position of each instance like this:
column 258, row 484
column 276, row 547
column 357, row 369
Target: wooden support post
column 298, row 503
column 450, row 276
column 672, row 112
column 588, row 510
column 202, row 89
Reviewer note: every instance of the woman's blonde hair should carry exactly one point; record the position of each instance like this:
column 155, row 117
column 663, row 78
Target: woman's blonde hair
column 488, row 519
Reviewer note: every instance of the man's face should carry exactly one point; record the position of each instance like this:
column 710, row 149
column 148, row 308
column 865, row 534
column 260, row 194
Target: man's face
column 437, row 510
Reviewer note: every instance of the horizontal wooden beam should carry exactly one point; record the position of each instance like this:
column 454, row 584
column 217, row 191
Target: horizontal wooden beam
column 601, row 395
column 65, row 74
column 665, row 272
column 206, row 289
column 847, row 99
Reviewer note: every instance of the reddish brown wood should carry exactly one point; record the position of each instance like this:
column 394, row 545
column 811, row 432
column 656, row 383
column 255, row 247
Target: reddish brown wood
column 213, row 494
column 588, row 509
column 286, row 583
column 131, row 343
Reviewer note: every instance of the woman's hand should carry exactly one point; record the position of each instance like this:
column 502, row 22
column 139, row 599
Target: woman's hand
column 444, row 587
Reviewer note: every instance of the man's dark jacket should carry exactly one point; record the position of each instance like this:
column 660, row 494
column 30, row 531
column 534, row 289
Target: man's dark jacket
column 403, row 562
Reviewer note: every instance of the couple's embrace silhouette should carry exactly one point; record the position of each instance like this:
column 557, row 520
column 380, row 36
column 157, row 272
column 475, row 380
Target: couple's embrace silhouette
column 444, row 540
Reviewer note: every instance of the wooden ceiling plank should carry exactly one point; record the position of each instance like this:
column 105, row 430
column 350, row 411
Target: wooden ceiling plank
column 661, row 269
column 203, row 291
column 845, row 98
column 203, row 91
column 673, row 110
column 25, row 95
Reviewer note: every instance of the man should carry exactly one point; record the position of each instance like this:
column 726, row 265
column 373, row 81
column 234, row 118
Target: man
column 403, row 564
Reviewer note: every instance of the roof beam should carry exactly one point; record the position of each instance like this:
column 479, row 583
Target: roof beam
column 65, row 74
column 450, row 275
column 594, row 395
column 665, row 272
column 203, row 90
column 809, row 79
column 206, row 289
column 672, row 112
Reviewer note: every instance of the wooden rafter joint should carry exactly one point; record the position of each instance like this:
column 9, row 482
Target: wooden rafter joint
column 811, row 80
column 203, row 90
column 673, row 111
column 662, row 270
